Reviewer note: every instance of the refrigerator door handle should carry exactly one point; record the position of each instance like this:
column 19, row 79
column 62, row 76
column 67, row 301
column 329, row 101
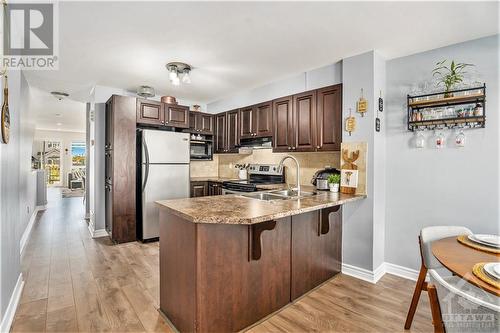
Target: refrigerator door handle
column 146, row 171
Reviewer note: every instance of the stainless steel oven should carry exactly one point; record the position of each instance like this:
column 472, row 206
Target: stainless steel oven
column 258, row 174
column 201, row 150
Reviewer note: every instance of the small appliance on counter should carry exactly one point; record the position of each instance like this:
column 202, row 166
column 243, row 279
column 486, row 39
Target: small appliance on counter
column 320, row 178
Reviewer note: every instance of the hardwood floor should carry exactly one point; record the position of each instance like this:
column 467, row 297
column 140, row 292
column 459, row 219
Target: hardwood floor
column 76, row 283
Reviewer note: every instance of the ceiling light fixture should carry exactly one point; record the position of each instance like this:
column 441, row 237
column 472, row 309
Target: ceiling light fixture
column 176, row 70
column 59, row 95
column 146, row 91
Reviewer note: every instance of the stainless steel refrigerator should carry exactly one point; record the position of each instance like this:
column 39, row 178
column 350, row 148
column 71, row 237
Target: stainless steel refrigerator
column 165, row 175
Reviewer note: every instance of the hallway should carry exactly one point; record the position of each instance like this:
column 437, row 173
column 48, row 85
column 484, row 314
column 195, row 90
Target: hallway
column 76, row 283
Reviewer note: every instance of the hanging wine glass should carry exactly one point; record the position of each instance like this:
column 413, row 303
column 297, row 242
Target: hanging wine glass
column 439, row 139
column 460, row 138
column 420, row 140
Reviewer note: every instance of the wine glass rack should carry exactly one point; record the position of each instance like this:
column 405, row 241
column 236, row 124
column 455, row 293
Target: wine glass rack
column 463, row 108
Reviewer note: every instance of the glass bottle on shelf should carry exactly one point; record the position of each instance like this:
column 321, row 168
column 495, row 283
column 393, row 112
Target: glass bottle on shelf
column 478, row 109
column 460, row 138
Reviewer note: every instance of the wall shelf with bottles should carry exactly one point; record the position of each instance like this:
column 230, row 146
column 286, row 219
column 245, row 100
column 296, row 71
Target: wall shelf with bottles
column 463, row 108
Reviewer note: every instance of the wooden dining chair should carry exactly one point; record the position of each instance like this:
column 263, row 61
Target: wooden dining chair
column 466, row 308
column 428, row 261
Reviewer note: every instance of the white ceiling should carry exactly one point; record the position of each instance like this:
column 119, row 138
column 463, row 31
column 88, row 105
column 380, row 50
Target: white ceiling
column 52, row 114
column 235, row 46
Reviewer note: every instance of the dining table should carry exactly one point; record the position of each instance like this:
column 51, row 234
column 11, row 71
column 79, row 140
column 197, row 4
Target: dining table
column 460, row 259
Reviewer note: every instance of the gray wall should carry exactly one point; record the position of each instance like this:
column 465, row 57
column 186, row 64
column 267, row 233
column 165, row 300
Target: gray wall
column 357, row 73
column 15, row 195
column 313, row 79
column 452, row 186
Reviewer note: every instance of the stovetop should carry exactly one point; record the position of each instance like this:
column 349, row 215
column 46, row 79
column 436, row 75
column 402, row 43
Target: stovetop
column 258, row 174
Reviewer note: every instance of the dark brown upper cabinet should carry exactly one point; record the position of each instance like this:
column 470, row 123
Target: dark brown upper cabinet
column 329, row 118
column 150, row 112
column 220, row 133
column 309, row 121
column 161, row 114
column 176, row 115
column 200, row 123
column 283, row 137
column 227, row 132
column 233, row 140
column 256, row 121
column 263, row 119
column 304, row 107
column 247, row 122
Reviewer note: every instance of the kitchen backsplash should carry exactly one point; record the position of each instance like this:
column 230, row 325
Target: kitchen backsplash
column 309, row 163
column 223, row 165
column 205, row 168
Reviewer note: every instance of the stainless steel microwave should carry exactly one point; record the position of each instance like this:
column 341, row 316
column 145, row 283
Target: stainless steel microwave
column 201, row 150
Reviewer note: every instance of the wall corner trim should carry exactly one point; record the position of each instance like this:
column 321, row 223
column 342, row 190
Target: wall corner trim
column 379, row 272
column 27, row 232
column 96, row 233
column 8, row 317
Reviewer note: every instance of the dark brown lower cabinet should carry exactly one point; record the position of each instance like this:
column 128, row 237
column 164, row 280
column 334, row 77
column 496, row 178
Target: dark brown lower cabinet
column 199, row 189
column 316, row 248
column 225, row 277
column 214, row 188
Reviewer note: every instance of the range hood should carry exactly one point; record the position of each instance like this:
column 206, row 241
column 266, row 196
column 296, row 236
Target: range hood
column 247, row 145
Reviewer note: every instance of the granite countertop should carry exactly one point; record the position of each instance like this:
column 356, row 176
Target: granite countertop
column 211, row 179
column 236, row 209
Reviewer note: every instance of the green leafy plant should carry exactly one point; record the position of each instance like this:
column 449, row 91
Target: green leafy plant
column 449, row 76
column 334, row 178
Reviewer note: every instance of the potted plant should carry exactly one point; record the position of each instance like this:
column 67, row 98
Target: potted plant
column 334, row 182
column 449, row 76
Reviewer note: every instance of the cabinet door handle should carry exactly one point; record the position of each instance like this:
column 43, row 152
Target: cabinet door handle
column 289, row 148
column 318, row 147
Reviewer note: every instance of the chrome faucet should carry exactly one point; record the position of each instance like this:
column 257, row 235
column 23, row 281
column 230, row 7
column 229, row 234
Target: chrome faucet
column 298, row 170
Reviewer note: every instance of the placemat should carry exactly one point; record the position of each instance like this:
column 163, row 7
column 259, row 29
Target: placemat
column 478, row 271
column 466, row 241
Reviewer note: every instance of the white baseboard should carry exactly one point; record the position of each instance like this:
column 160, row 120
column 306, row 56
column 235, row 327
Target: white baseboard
column 404, row 272
column 96, row 233
column 377, row 274
column 8, row 316
column 27, row 232
column 359, row 273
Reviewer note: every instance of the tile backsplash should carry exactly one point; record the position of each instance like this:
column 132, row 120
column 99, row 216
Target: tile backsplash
column 205, row 168
column 309, row 163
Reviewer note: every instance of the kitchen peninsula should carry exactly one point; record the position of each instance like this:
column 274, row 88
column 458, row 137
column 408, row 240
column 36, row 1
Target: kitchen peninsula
column 228, row 261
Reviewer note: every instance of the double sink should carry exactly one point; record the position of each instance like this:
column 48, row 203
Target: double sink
column 278, row 195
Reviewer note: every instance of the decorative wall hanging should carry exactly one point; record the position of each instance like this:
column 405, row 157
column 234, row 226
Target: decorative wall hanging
column 349, row 172
column 5, row 115
column 380, row 102
column 353, row 167
column 362, row 105
column 350, row 123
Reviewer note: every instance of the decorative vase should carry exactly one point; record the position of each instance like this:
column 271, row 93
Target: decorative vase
column 334, row 187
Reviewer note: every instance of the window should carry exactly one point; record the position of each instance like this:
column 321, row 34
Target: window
column 78, row 154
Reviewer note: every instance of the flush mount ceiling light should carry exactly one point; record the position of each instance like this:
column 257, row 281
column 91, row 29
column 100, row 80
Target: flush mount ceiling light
column 177, row 72
column 59, row 95
column 146, row 91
